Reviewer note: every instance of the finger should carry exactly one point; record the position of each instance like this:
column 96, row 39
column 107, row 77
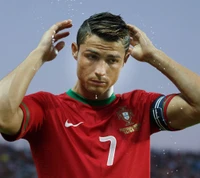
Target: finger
column 61, row 25
column 133, row 41
column 61, row 35
column 134, row 32
column 64, row 26
column 59, row 46
column 133, row 28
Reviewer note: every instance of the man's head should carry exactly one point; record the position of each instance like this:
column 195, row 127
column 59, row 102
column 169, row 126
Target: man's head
column 106, row 26
column 101, row 50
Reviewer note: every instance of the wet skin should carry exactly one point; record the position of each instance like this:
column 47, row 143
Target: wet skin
column 98, row 66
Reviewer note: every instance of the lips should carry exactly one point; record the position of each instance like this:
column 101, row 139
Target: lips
column 98, row 82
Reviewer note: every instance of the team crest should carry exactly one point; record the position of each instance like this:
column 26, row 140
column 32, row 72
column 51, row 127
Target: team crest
column 125, row 114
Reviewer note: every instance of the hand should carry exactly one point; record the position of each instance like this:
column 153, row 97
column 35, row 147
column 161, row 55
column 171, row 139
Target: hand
column 51, row 36
column 142, row 48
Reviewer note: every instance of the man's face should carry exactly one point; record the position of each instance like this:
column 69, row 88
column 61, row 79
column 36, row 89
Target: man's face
column 99, row 64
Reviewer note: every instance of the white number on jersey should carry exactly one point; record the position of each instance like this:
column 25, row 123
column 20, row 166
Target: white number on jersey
column 111, row 153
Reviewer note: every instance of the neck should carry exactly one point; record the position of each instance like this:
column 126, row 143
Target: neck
column 92, row 95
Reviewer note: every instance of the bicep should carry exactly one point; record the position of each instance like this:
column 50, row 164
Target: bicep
column 180, row 114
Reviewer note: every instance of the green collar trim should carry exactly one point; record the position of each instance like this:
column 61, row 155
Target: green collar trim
column 91, row 102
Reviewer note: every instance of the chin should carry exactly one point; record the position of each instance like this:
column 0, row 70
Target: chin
column 97, row 91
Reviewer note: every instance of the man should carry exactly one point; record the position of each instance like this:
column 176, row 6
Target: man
column 89, row 131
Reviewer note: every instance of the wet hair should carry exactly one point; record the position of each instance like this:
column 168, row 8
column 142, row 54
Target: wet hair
column 106, row 26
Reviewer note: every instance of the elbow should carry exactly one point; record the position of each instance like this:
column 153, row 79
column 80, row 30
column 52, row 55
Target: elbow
column 194, row 117
column 4, row 124
column 9, row 125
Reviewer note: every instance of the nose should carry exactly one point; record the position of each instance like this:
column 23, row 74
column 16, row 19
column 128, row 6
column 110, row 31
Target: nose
column 100, row 68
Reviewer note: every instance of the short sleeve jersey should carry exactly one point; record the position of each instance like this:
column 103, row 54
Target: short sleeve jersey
column 72, row 137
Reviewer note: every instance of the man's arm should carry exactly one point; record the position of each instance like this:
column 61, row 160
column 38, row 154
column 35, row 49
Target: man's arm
column 184, row 109
column 13, row 87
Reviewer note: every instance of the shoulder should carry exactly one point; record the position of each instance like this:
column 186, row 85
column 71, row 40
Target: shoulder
column 140, row 95
column 139, row 98
column 44, row 98
column 137, row 92
column 45, row 94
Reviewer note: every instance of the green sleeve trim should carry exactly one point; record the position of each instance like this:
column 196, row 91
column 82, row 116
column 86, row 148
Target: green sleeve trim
column 27, row 116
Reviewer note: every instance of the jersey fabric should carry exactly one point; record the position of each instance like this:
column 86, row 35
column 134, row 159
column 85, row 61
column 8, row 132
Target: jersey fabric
column 72, row 137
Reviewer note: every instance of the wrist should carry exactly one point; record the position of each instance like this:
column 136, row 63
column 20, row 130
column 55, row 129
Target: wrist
column 154, row 56
column 39, row 54
column 36, row 58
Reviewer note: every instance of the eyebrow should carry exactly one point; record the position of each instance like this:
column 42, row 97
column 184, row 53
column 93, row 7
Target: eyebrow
column 92, row 51
column 109, row 55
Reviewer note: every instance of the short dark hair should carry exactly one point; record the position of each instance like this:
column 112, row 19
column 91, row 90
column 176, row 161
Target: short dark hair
column 105, row 25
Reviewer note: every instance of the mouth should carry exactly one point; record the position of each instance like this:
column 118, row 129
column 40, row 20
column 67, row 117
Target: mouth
column 98, row 82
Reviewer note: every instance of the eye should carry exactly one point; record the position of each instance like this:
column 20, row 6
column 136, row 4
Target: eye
column 112, row 61
column 92, row 56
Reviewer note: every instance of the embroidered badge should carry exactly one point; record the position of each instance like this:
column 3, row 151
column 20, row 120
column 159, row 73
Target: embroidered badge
column 125, row 114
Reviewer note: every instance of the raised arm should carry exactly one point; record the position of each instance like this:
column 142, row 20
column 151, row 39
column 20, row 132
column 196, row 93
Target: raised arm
column 13, row 87
column 184, row 109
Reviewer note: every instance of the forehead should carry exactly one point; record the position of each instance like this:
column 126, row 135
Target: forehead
column 96, row 43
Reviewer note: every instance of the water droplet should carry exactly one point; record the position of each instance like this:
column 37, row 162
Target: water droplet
column 164, row 152
column 143, row 25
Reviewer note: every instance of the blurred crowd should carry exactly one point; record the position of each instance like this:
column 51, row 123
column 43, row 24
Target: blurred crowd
column 166, row 164
column 16, row 163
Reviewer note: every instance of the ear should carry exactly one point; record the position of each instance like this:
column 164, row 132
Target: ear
column 74, row 48
column 126, row 56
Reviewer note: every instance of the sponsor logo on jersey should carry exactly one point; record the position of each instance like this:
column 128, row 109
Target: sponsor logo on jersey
column 127, row 115
column 68, row 124
column 130, row 129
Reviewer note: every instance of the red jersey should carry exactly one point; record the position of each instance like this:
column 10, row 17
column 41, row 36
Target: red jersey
column 72, row 137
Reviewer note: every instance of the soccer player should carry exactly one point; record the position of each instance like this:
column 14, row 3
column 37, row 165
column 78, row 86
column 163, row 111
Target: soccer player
column 89, row 131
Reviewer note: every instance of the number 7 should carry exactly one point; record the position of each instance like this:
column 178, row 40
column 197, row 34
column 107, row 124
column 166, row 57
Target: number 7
column 113, row 143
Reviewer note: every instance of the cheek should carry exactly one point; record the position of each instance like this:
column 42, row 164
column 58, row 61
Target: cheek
column 82, row 71
column 114, row 75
